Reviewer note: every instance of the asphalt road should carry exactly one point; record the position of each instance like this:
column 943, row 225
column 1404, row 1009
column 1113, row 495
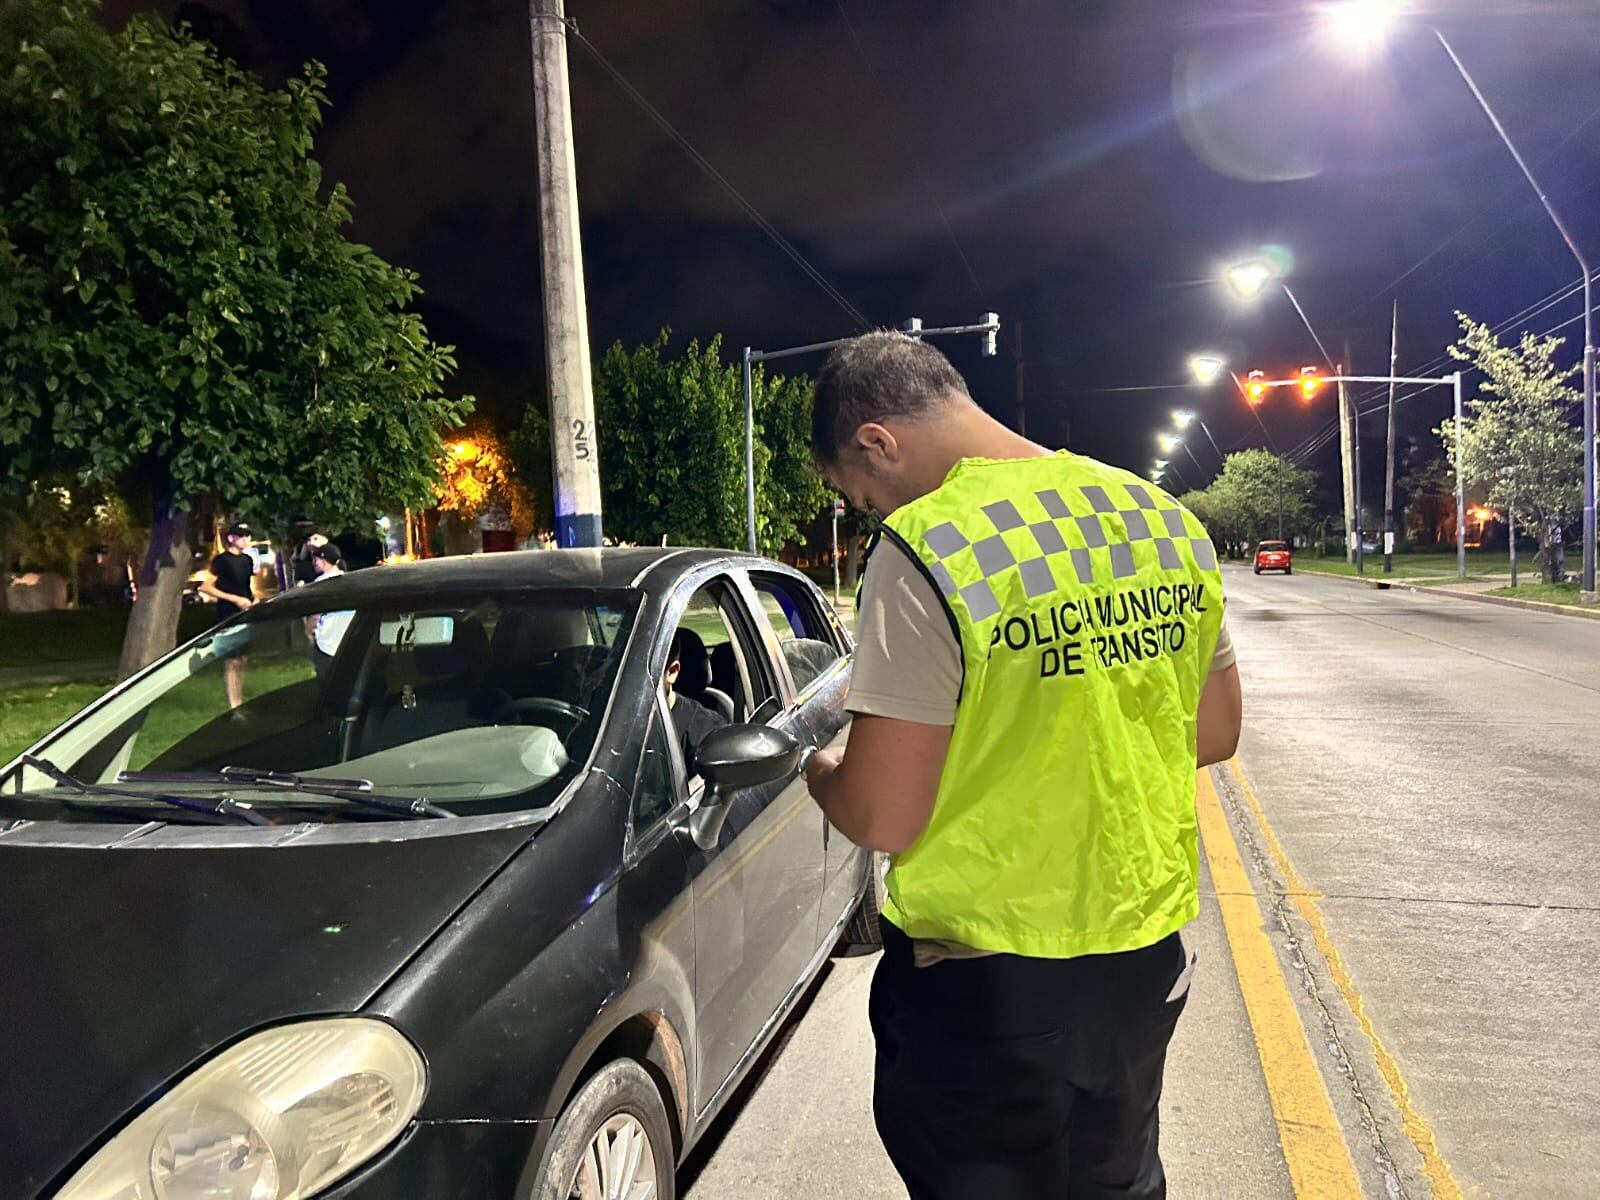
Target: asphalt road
column 1421, row 866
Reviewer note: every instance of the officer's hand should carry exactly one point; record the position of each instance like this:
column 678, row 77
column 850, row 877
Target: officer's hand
column 820, row 765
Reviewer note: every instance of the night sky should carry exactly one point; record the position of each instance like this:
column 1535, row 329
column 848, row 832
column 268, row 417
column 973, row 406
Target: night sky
column 1084, row 168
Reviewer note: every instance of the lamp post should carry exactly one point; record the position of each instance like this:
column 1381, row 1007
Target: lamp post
column 989, row 326
column 1363, row 24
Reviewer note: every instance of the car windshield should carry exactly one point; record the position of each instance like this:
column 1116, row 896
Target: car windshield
column 473, row 703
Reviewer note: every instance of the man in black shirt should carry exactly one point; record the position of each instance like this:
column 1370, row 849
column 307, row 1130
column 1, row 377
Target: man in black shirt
column 229, row 586
column 690, row 718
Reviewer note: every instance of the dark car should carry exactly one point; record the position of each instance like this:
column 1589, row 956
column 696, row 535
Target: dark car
column 1274, row 556
column 440, row 913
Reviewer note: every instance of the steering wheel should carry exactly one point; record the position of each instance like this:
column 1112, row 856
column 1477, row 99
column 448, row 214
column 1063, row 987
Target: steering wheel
column 513, row 711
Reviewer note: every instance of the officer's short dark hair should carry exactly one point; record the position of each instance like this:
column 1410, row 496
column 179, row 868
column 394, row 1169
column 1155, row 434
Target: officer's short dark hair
column 874, row 376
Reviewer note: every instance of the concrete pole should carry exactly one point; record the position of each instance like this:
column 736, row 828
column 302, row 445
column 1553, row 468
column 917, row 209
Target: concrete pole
column 1388, row 464
column 574, row 450
column 1347, row 469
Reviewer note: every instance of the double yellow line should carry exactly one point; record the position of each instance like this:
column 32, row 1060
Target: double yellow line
column 1313, row 1143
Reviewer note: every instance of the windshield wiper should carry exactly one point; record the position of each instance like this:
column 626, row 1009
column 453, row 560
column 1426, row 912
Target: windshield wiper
column 225, row 807
column 354, row 791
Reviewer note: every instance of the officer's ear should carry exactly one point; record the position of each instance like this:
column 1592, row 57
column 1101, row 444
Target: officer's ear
column 877, row 443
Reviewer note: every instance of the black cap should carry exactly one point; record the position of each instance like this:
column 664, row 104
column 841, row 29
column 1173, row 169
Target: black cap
column 328, row 553
column 239, row 529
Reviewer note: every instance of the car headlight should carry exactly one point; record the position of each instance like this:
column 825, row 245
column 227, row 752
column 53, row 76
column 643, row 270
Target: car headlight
column 279, row 1116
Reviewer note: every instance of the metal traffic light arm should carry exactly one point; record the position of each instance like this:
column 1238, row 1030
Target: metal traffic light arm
column 1452, row 380
column 989, row 327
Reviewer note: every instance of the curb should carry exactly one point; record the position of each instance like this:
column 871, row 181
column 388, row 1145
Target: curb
column 1555, row 610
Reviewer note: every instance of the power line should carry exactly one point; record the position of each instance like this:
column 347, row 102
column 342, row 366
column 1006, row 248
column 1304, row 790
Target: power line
column 721, row 180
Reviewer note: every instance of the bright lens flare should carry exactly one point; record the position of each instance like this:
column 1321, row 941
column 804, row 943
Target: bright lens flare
column 1246, row 279
column 1169, row 442
column 1206, row 368
column 1182, row 419
column 1359, row 27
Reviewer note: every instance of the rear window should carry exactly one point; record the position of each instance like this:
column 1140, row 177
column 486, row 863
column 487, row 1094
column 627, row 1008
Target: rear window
column 1271, row 546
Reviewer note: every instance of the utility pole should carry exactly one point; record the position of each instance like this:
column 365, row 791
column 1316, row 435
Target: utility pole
column 1022, row 412
column 574, row 446
column 1355, row 454
column 1388, row 465
column 1347, row 470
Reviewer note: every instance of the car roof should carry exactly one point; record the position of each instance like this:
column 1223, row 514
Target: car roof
column 653, row 569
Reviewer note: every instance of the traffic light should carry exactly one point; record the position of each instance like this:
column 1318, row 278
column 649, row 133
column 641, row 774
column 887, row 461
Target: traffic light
column 1310, row 383
column 1255, row 389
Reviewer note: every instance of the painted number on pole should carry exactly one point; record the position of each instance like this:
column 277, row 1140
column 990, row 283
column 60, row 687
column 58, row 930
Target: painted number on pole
column 580, row 439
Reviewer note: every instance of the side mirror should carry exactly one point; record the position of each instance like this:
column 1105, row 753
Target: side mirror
column 734, row 757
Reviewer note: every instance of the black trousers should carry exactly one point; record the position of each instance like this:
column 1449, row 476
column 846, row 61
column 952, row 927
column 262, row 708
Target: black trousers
column 1008, row 1077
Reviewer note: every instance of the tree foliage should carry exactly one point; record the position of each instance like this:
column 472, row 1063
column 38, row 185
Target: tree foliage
column 1242, row 505
column 672, row 448
column 180, row 312
column 1518, row 443
column 477, row 473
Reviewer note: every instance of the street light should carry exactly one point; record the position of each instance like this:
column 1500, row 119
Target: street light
column 1182, row 419
column 1247, row 278
column 1359, row 27
column 1367, row 21
column 1206, row 368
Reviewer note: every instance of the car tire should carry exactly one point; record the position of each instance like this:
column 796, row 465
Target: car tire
column 1258, row 570
column 864, row 934
column 620, row 1102
column 1288, row 570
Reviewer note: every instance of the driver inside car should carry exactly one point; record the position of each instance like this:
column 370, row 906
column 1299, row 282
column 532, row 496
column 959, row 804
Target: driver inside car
column 691, row 720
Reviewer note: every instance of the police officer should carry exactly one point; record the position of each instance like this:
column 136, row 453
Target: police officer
column 1041, row 665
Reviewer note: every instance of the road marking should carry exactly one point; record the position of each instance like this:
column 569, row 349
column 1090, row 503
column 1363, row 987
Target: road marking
column 1313, row 1144
column 1441, row 1180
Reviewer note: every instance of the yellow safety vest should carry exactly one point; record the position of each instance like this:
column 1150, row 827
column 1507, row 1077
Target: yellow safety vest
column 1087, row 603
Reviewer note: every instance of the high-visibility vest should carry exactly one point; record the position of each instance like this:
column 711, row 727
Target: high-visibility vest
column 1087, row 603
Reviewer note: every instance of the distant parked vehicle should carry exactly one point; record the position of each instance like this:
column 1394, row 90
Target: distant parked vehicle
column 1274, row 556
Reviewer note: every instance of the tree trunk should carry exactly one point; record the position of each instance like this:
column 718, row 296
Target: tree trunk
column 5, row 573
column 1553, row 552
column 153, row 624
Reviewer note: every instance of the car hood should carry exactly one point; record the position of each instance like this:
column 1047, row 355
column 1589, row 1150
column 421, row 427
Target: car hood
column 129, row 955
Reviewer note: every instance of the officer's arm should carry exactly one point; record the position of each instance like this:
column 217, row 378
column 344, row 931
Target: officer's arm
column 1221, row 713
column 879, row 791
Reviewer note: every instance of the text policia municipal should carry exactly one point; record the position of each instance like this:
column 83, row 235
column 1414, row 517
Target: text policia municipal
column 1100, row 626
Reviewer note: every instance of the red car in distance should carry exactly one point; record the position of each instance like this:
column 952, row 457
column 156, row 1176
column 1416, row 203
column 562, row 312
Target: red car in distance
column 1274, row 556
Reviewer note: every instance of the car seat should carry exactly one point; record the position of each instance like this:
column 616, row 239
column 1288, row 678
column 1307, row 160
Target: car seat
column 725, row 676
column 694, row 675
column 434, row 689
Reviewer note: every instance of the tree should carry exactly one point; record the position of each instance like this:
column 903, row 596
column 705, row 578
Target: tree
column 62, row 523
column 1518, row 444
column 672, row 448
column 477, row 473
column 181, row 317
column 1243, row 504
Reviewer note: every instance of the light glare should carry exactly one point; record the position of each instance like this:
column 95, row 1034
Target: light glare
column 1359, row 27
column 1182, row 419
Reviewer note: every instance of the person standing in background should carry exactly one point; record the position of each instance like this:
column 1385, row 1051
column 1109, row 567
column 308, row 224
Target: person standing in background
column 230, row 586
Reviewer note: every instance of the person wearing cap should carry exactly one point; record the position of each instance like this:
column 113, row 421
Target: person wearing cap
column 326, row 630
column 304, row 568
column 229, row 585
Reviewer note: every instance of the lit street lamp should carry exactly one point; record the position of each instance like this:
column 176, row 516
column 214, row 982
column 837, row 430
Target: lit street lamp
column 1246, row 279
column 1206, row 368
column 1362, row 25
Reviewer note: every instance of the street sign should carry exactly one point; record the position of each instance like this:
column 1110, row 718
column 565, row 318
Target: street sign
column 838, row 508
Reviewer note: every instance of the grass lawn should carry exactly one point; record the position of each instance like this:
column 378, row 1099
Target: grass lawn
column 1408, row 566
column 80, row 635
column 31, row 710
column 1548, row 593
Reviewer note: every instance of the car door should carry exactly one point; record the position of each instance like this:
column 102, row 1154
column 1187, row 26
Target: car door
column 814, row 648
column 756, row 892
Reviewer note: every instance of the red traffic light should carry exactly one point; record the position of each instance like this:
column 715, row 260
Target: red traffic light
column 1310, row 383
column 1256, row 387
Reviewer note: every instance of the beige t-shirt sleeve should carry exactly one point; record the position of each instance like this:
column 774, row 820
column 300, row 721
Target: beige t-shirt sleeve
column 908, row 661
